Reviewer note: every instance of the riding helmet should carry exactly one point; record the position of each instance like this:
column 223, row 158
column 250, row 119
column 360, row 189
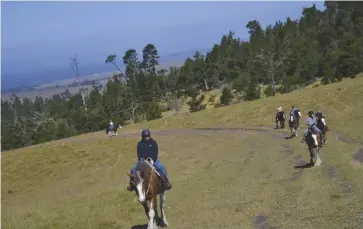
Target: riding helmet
column 310, row 113
column 145, row 133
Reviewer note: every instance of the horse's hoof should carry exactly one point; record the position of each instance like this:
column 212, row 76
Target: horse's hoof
column 164, row 223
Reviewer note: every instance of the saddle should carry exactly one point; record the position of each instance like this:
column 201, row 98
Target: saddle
column 150, row 163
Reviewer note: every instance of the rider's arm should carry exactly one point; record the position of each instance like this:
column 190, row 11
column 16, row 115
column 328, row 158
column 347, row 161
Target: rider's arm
column 139, row 151
column 156, row 150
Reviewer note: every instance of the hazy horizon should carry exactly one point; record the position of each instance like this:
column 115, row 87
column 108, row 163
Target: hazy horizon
column 42, row 36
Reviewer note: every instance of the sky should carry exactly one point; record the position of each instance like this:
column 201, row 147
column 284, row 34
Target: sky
column 41, row 36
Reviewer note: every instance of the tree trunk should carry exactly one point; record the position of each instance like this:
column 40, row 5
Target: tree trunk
column 206, row 85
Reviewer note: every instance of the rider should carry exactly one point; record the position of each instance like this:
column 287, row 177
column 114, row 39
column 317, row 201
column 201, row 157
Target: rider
column 280, row 114
column 296, row 113
column 319, row 118
column 148, row 147
column 310, row 122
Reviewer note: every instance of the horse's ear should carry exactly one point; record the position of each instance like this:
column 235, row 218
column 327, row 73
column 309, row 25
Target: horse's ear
column 130, row 175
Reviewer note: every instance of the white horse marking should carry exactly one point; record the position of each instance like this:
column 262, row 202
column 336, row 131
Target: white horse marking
column 323, row 121
column 151, row 217
column 162, row 200
column 142, row 196
column 315, row 139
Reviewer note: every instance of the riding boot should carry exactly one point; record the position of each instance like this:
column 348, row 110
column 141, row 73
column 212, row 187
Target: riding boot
column 166, row 182
column 131, row 186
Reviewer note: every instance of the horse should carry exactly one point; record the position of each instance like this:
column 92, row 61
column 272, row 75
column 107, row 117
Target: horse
column 313, row 141
column 280, row 117
column 148, row 186
column 321, row 124
column 112, row 130
column 293, row 125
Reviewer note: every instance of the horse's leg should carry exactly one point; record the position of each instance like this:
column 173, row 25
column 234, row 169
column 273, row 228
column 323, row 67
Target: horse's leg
column 155, row 206
column 313, row 153
column 146, row 208
column 318, row 160
column 151, row 215
column 162, row 212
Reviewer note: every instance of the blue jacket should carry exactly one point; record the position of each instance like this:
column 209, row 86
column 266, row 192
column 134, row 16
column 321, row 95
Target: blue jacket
column 147, row 148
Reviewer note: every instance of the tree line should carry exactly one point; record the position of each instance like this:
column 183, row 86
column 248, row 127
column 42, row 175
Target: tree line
column 284, row 56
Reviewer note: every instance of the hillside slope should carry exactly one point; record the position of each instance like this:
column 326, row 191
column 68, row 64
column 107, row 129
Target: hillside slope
column 222, row 177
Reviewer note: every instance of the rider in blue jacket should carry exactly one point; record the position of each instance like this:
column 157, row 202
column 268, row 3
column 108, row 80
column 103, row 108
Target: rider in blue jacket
column 148, row 147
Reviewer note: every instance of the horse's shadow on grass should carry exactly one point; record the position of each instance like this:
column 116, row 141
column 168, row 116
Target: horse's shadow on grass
column 289, row 137
column 158, row 222
column 141, row 226
column 304, row 166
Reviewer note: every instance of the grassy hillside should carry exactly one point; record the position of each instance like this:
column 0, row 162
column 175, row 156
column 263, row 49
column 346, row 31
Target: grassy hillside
column 222, row 178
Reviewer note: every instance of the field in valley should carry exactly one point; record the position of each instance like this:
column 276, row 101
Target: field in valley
column 228, row 166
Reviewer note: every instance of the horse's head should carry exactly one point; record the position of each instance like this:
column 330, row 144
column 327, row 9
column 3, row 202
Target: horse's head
column 143, row 178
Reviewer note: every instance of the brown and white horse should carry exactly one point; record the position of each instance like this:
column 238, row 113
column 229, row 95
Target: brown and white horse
column 293, row 125
column 321, row 124
column 148, row 186
column 313, row 141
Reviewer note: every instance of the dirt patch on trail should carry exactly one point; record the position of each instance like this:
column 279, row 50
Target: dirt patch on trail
column 196, row 131
column 332, row 172
column 287, row 149
column 261, row 222
column 358, row 156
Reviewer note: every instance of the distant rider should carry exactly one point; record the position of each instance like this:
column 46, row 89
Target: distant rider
column 148, row 147
column 296, row 113
column 280, row 115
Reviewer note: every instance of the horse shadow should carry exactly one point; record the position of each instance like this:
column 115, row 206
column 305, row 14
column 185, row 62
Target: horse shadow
column 289, row 137
column 158, row 222
column 304, row 166
column 140, row 226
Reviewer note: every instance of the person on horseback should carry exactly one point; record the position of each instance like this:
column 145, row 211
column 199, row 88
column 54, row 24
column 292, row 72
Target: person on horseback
column 311, row 123
column 280, row 116
column 295, row 112
column 148, row 147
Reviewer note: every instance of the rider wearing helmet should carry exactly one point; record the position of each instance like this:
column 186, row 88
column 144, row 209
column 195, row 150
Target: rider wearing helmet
column 148, row 147
column 310, row 122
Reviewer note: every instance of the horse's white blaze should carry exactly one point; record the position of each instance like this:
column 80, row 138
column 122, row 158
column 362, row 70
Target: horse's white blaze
column 291, row 118
column 323, row 121
column 299, row 113
column 315, row 139
column 141, row 193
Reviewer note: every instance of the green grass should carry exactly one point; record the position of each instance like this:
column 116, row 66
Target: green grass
column 221, row 179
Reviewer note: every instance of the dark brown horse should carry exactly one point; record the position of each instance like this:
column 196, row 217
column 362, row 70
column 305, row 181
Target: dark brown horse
column 313, row 140
column 148, row 186
column 321, row 124
column 280, row 118
column 293, row 125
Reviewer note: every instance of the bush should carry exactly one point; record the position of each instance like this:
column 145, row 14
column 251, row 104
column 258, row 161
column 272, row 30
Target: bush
column 195, row 104
column 269, row 91
column 226, row 96
column 153, row 111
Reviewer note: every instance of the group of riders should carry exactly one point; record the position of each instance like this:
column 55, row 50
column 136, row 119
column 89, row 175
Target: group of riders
column 148, row 148
column 313, row 121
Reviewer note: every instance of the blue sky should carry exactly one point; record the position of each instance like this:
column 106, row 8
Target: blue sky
column 40, row 36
